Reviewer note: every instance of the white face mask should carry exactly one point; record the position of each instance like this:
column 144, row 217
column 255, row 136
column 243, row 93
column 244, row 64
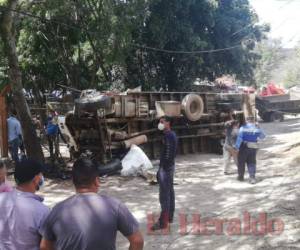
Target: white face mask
column 161, row 126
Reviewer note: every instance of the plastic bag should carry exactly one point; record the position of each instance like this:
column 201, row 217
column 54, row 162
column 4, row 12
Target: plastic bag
column 136, row 162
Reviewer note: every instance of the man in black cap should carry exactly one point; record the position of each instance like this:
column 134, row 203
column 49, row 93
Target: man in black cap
column 22, row 211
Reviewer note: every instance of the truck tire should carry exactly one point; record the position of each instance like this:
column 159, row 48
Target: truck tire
column 193, row 107
column 91, row 104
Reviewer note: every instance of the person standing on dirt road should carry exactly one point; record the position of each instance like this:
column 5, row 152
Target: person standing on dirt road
column 14, row 135
column 247, row 146
column 165, row 174
column 88, row 220
column 52, row 130
column 53, row 133
column 231, row 133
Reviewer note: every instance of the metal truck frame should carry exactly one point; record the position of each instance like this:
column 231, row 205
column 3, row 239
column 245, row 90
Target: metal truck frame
column 107, row 126
column 272, row 108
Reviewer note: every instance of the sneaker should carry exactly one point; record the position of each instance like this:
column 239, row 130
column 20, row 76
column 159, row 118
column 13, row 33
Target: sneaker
column 252, row 181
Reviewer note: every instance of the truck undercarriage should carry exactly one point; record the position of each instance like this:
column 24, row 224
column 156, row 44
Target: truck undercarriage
column 105, row 125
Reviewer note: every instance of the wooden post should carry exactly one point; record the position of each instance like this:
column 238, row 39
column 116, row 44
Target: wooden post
column 3, row 127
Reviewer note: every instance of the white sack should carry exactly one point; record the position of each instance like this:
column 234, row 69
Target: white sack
column 135, row 162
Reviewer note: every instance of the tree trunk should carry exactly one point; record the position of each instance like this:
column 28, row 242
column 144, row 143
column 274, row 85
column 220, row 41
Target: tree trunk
column 32, row 145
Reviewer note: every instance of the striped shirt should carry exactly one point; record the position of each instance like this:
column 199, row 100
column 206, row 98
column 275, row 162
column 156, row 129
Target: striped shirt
column 249, row 133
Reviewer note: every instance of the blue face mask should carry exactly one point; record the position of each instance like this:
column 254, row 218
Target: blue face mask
column 41, row 182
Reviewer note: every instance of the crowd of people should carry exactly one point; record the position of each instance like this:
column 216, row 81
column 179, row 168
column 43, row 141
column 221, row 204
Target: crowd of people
column 50, row 129
column 88, row 220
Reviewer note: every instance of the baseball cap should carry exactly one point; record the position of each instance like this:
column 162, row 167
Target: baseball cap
column 26, row 170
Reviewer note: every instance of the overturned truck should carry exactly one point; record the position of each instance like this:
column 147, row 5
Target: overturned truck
column 105, row 125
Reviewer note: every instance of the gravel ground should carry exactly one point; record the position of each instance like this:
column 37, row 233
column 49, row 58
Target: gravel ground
column 202, row 189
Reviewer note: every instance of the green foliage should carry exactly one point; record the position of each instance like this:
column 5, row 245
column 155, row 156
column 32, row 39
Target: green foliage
column 77, row 43
column 292, row 75
column 271, row 57
column 190, row 25
column 101, row 44
column 3, row 2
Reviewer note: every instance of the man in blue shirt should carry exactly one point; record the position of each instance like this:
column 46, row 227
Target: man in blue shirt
column 14, row 135
column 247, row 146
column 165, row 174
column 22, row 211
column 52, row 132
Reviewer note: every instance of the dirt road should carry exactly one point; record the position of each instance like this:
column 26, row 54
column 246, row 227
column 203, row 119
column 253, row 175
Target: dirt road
column 202, row 189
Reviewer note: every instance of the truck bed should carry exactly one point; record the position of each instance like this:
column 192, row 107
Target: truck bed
column 272, row 107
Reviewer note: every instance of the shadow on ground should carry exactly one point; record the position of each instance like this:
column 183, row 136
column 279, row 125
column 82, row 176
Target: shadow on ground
column 201, row 188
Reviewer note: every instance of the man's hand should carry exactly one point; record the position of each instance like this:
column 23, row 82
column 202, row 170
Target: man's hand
column 47, row 245
column 136, row 241
column 234, row 152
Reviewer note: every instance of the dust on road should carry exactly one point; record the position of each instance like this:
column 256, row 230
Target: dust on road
column 202, row 189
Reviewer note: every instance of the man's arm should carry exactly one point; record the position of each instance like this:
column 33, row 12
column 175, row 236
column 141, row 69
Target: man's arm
column 262, row 135
column 228, row 124
column 18, row 129
column 136, row 241
column 48, row 237
column 47, row 245
column 129, row 227
column 239, row 139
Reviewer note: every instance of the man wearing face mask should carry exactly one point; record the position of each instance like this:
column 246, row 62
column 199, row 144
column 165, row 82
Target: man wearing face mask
column 22, row 211
column 165, row 174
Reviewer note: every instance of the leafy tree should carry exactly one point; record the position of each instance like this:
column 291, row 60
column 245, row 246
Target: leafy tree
column 292, row 74
column 104, row 44
column 79, row 43
column 236, row 22
column 190, row 25
column 7, row 27
column 271, row 57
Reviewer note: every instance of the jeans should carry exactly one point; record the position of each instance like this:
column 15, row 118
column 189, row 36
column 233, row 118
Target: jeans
column 166, row 195
column 14, row 149
column 53, row 142
column 247, row 155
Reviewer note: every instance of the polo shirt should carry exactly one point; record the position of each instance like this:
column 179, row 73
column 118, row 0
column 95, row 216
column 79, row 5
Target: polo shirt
column 21, row 217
